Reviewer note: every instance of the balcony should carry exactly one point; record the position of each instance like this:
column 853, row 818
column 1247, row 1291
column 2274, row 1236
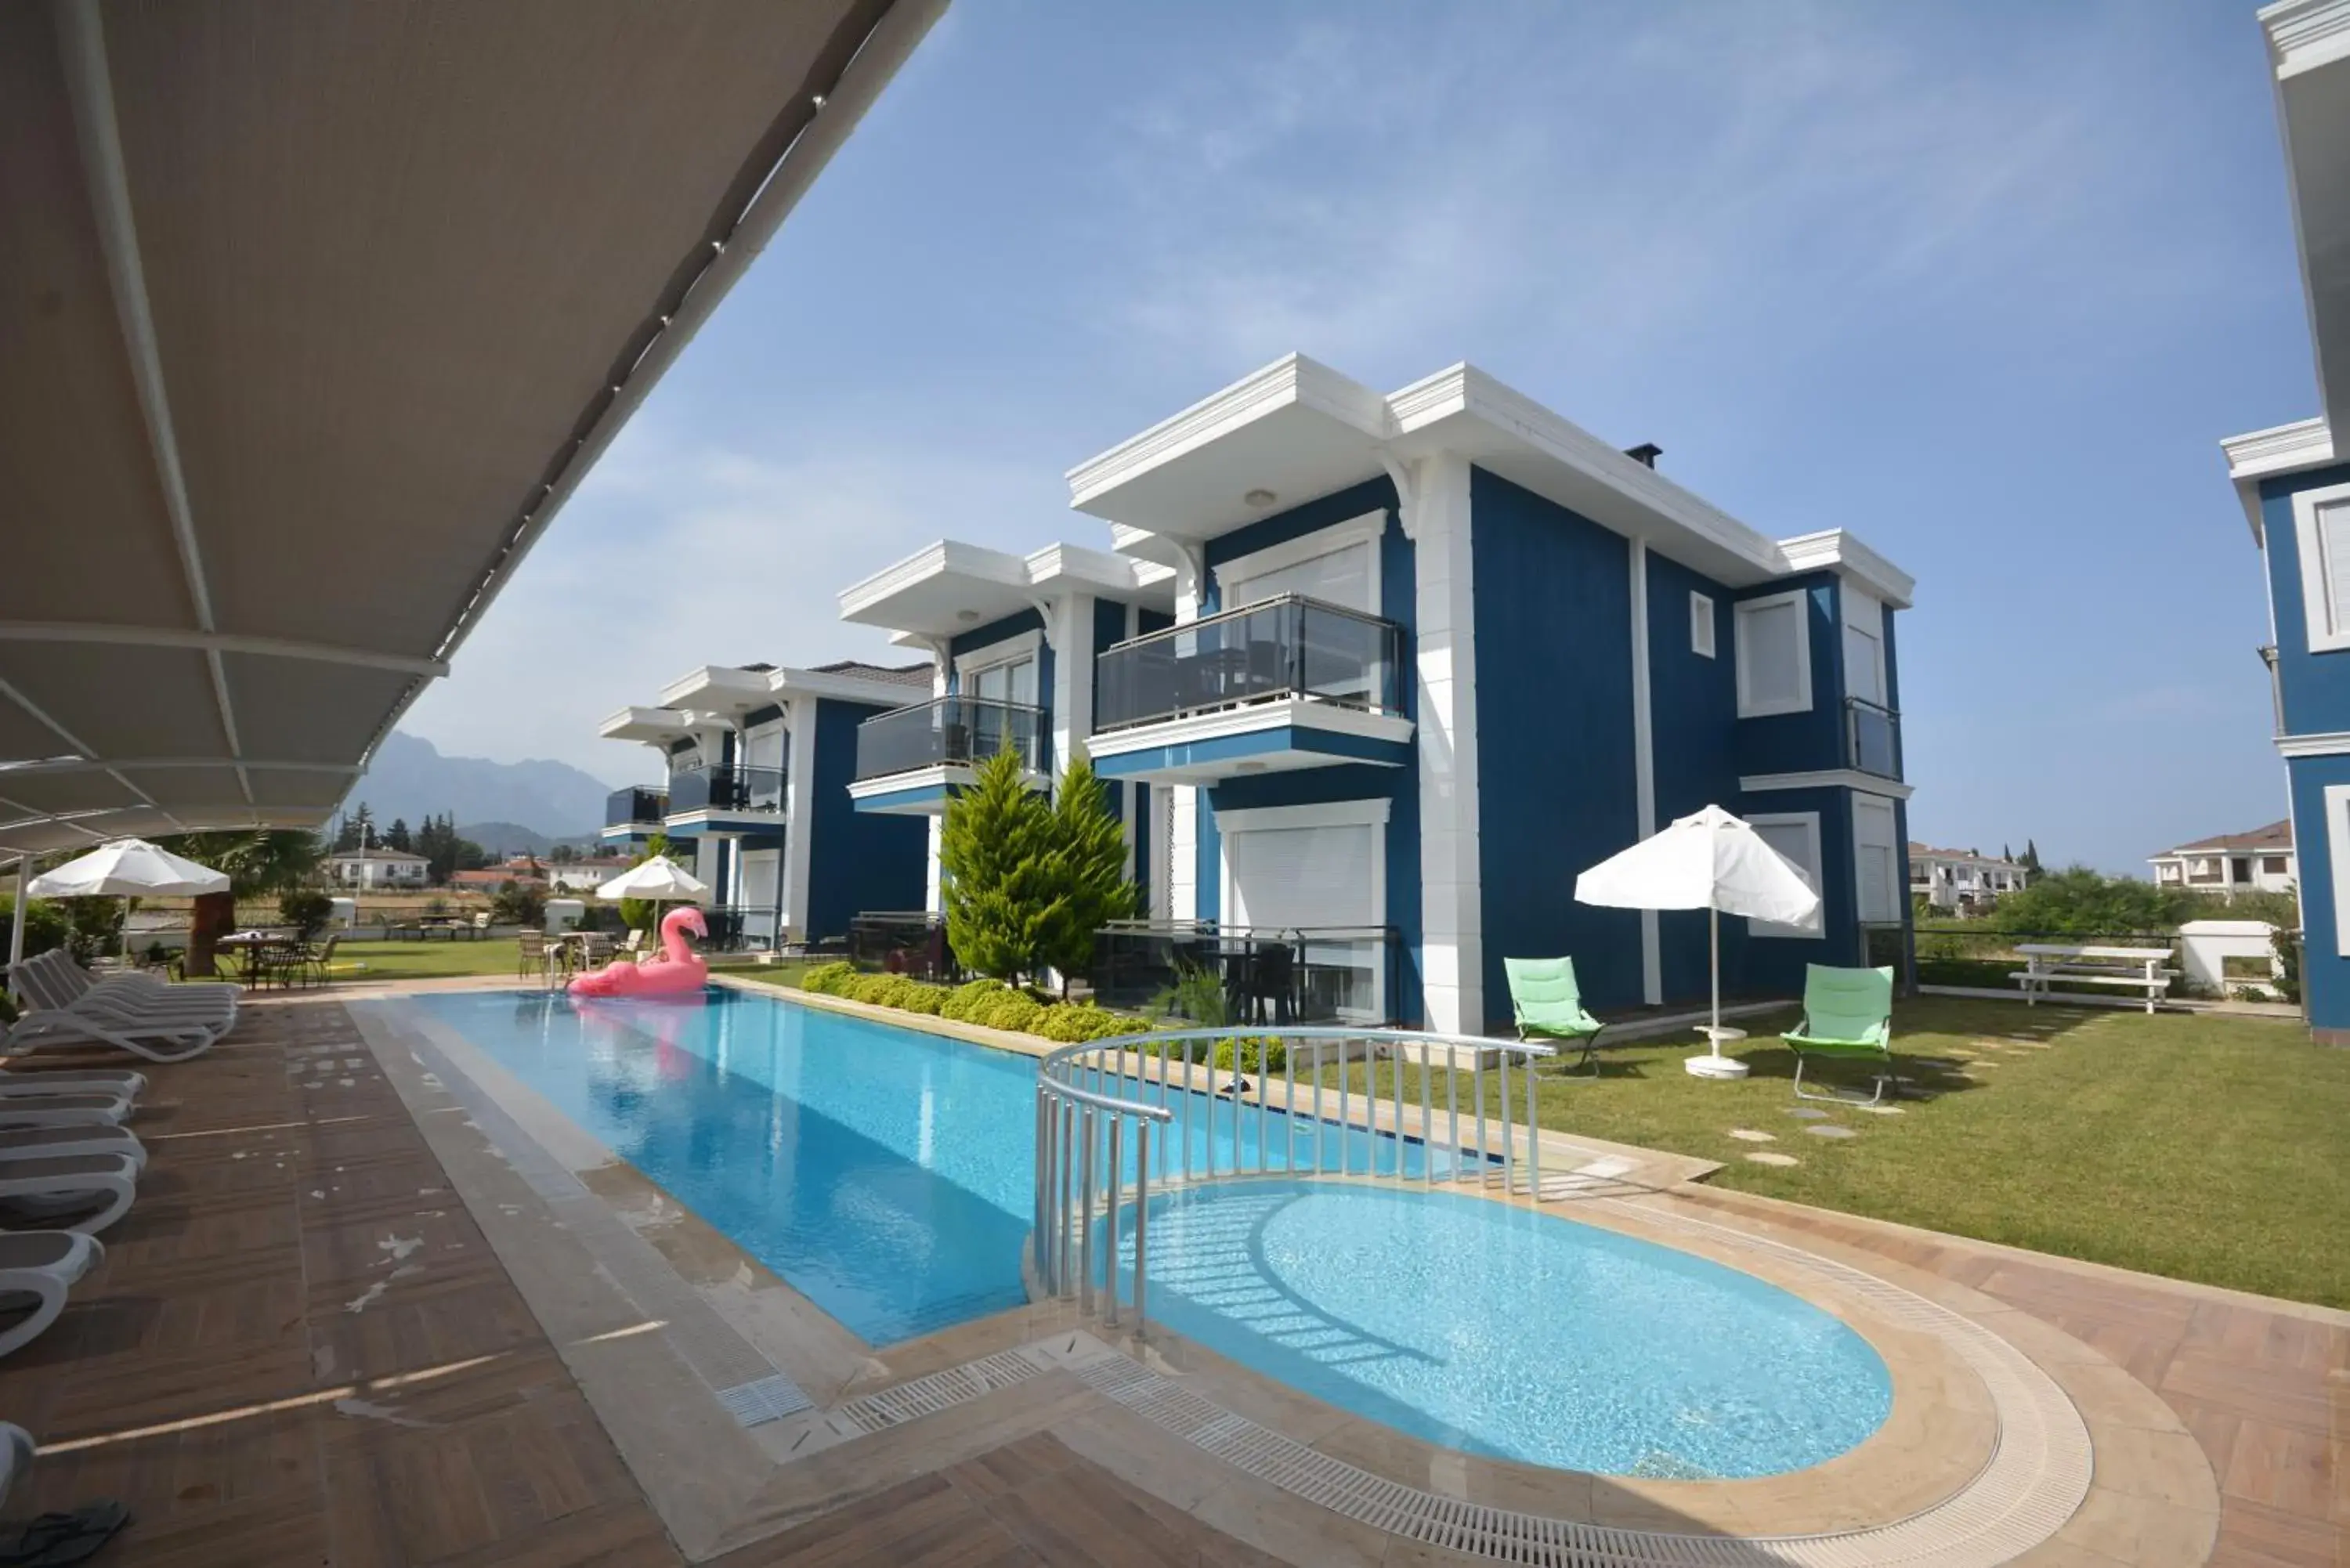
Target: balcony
column 632, row 814
column 1872, row 738
column 726, row 799
column 1280, row 685
column 911, row 759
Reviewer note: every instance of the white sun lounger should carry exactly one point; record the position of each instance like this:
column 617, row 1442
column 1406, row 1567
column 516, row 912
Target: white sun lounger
column 127, row 1081
column 62, row 1110
column 47, row 1189
column 50, row 1143
column 55, row 982
column 44, row 1265
column 16, row 1447
column 156, row 1040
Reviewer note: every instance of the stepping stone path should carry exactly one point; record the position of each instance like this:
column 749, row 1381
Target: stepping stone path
column 1881, row 1110
column 1748, row 1134
column 1769, row 1158
column 1817, row 1131
column 1808, row 1114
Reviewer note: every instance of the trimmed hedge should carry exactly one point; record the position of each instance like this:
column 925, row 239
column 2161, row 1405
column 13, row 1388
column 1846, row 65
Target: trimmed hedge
column 990, row 1003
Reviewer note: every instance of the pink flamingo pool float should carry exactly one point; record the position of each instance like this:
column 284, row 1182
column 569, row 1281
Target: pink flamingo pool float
column 675, row 970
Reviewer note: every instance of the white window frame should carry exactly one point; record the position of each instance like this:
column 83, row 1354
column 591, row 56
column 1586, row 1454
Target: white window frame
column 2337, row 851
column 1809, row 821
column 1005, row 651
column 1893, row 881
column 1870, row 623
column 2318, row 617
column 1368, row 529
column 1701, row 632
column 1748, row 708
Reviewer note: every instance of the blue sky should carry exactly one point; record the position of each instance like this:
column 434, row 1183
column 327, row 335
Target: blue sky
column 1985, row 284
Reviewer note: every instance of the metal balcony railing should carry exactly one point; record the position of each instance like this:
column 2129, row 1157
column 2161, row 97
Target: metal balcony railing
column 623, row 806
column 1872, row 738
column 947, row 730
column 725, row 789
column 1286, row 647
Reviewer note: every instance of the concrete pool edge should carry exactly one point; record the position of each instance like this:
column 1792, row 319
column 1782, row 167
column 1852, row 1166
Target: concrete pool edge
column 717, row 1484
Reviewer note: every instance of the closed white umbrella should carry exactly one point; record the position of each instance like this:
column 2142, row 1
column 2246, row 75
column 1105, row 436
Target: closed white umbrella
column 660, row 879
column 1712, row 861
column 127, row 869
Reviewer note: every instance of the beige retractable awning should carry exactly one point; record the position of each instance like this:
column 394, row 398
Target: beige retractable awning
column 311, row 316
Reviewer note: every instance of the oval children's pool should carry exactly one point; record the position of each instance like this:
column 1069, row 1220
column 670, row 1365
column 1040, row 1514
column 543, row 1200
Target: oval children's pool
column 1498, row 1330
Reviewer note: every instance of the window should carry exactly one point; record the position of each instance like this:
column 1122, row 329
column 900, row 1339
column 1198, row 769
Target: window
column 1701, row 625
column 1320, row 871
column 2273, row 866
column 1795, row 834
column 1876, row 860
column 1863, row 647
column 2337, row 844
column 1003, row 672
column 2321, row 526
column 1338, row 566
column 1775, row 656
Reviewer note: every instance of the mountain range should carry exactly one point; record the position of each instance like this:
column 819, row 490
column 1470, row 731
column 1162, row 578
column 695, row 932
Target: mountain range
column 525, row 805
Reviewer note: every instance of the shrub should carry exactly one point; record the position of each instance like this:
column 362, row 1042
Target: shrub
column 924, row 998
column 826, row 979
column 519, row 904
column 1014, row 1011
column 94, row 927
column 960, row 1003
column 45, row 926
column 1255, row 1056
column 1071, row 1023
column 1197, row 996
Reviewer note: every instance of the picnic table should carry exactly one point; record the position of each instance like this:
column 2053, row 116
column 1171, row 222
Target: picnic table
column 2143, row 968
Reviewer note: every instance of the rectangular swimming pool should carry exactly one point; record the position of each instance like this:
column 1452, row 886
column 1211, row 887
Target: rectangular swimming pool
column 885, row 1173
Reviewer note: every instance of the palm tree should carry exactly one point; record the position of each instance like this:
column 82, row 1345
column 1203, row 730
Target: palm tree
column 267, row 860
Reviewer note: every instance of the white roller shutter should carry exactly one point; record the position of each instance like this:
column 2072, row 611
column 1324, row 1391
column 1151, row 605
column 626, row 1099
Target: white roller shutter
column 1339, row 577
column 1300, row 878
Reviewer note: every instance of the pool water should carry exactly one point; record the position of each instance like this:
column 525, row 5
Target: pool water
column 1502, row 1331
column 888, row 1174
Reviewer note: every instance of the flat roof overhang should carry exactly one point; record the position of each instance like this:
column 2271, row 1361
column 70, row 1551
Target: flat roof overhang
column 311, row 318
column 653, row 726
column 1296, row 431
column 950, row 587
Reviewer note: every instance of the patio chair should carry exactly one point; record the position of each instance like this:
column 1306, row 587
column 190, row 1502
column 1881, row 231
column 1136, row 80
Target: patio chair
column 56, row 1185
column 531, row 957
column 318, row 967
column 1547, row 1003
column 635, row 944
column 44, row 1265
column 1847, row 1017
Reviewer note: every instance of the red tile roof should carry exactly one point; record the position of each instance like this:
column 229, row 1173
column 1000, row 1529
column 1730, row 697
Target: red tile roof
column 2276, row 838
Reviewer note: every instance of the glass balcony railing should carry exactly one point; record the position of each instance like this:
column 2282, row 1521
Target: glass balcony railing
column 736, row 928
column 1313, row 974
column 946, row 731
column 623, row 806
column 1872, row 738
column 725, row 789
column 1286, row 647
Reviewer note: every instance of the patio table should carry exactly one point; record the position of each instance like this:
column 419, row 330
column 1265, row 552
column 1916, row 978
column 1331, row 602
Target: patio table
column 251, row 948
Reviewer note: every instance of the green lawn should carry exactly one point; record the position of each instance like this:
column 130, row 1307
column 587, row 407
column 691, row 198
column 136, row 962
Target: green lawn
column 371, row 961
column 2206, row 1149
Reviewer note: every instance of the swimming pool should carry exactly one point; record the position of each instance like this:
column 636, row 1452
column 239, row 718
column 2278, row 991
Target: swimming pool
column 1502, row 1331
column 887, row 1174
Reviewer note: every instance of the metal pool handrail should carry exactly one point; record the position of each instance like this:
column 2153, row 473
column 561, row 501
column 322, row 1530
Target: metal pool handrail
column 1086, row 1093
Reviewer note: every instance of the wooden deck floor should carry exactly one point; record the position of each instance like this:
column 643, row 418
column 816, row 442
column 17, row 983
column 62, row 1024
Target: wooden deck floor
column 300, row 1351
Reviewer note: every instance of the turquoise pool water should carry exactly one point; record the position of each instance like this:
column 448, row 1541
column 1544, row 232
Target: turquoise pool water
column 887, row 1174
column 1498, row 1330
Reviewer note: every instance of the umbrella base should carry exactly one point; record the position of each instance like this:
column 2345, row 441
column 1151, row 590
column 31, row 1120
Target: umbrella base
column 1708, row 1065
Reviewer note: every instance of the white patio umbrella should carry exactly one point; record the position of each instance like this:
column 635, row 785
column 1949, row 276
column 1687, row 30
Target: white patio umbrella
column 1711, row 861
column 127, row 869
column 660, row 879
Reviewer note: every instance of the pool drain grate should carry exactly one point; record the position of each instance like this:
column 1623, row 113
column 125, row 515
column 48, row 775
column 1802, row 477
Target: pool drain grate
column 764, row 1399
column 926, row 1395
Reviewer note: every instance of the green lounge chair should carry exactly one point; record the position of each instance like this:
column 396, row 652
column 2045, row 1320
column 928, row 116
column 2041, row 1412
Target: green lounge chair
column 1847, row 1015
column 1548, row 1004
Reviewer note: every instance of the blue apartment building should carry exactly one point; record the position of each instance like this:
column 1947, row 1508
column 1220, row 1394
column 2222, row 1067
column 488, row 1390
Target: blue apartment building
column 1382, row 674
column 756, row 763
column 2293, row 483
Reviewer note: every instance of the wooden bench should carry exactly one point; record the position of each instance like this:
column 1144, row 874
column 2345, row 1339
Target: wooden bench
column 2141, row 969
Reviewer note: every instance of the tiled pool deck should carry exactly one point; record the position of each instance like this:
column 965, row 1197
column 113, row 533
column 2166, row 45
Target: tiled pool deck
column 371, row 1308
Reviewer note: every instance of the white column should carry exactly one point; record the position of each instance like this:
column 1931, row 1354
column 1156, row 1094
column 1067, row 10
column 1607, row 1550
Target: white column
column 1451, row 883
column 1644, row 769
column 1069, row 628
column 17, row 925
column 1182, row 877
column 799, row 821
column 942, row 661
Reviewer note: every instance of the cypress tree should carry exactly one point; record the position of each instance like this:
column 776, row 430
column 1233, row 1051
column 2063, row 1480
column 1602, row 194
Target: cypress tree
column 1089, row 870
column 997, row 872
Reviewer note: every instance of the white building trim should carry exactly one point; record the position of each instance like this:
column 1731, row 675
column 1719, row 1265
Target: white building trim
column 1371, row 813
column 1827, row 778
column 1644, row 768
column 1020, row 645
column 799, row 819
column 2325, row 624
column 1453, row 953
column 1300, row 712
column 2331, row 744
column 2337, row 851
column 1182, row 875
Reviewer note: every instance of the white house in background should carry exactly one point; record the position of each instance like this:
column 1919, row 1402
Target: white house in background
column 583, row 876
column 2259, row 861
column 1960, row 880
column 377, row 869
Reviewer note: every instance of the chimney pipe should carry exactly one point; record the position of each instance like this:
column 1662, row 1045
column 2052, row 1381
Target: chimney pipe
column 1646, row 453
